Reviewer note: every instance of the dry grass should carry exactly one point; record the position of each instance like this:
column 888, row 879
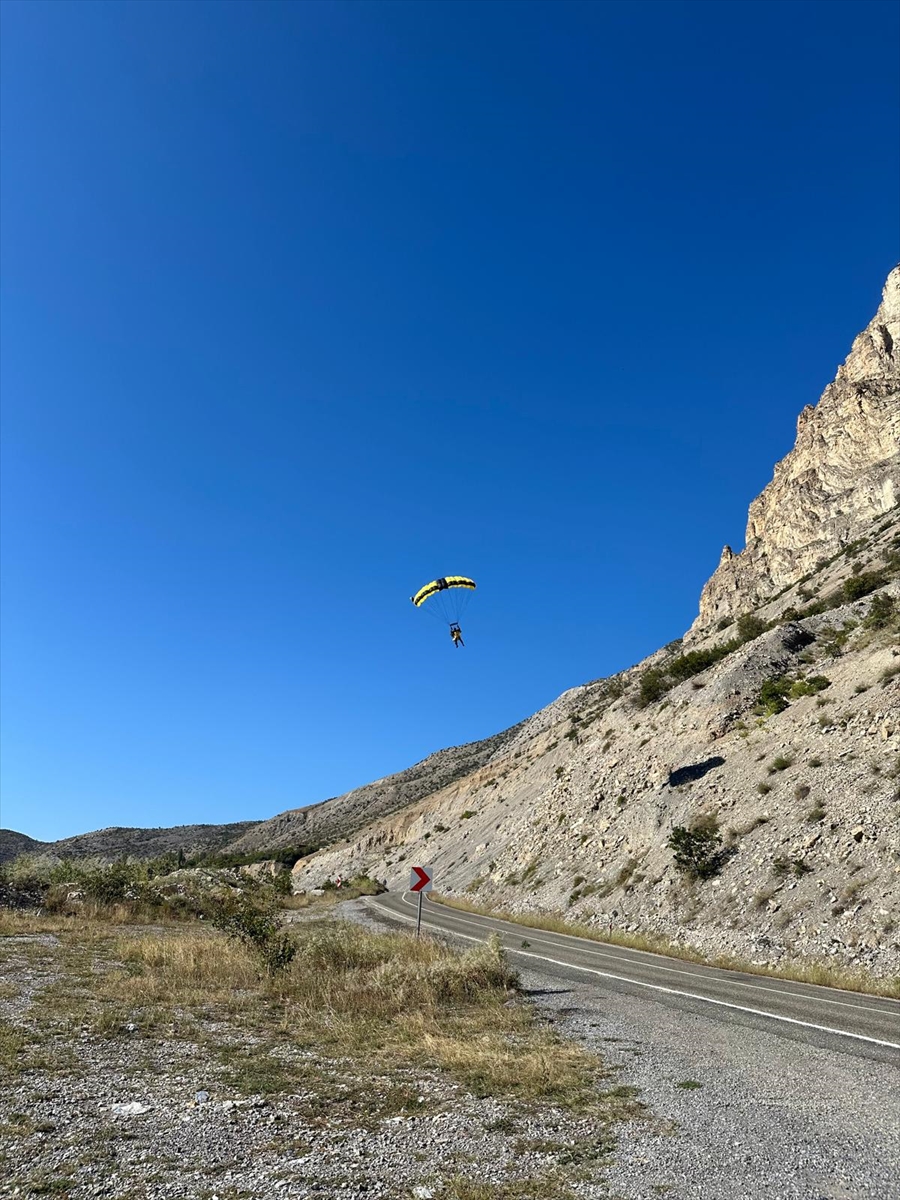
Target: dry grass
column 182, row 968
column 799, row 970
column 19, row 923
column 552, row 923
column 388, row 999
column 304, row 901
column 417, row 1001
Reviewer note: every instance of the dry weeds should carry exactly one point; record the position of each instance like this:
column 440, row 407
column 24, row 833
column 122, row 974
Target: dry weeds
column 799, row 970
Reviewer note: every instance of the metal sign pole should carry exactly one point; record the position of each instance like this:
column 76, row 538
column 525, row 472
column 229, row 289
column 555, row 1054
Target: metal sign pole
column 419, row 915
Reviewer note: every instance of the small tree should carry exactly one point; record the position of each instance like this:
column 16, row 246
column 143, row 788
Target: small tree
column 698, row 850
column 861, row 585
column 259, row 928
column 881, row 611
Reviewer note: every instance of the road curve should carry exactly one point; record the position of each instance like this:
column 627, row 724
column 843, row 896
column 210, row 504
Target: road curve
column 867, row 1026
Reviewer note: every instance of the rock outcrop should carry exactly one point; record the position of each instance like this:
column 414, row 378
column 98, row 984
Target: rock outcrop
column 843, row 472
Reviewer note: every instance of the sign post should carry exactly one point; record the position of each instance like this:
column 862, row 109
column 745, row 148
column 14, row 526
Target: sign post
column 420, row 882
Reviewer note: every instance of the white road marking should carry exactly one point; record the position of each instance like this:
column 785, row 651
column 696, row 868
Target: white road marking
column 657, row 987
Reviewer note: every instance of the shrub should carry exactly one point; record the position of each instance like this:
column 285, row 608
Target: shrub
column 695, row 661
column 833, row 640
column 773, row 696
column 750, row 626
column 653, row 686
column 257, row 927
column 782, row 865
column 656, row 681
column 861, row 585
column 780, row 763
column 809, row 687
column 881, row 613
column 698, row 850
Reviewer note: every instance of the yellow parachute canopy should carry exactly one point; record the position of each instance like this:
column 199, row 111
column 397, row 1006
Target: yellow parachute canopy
column 441, row 585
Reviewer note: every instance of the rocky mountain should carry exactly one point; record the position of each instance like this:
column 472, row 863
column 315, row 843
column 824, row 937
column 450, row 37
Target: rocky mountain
column 842, row 474
column 786, row 746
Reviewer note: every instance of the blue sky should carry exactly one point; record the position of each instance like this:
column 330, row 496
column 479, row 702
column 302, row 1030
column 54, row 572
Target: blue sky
column 304, row 304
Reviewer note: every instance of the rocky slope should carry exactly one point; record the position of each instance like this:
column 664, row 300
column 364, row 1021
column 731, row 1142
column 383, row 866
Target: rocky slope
column 843, row 473
column 13, row 844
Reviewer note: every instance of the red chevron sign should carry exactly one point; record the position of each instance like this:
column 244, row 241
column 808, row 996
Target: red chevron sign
column 420, row 879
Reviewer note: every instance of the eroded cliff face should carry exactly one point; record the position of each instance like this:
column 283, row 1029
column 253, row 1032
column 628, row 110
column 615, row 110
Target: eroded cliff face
column 843, row 472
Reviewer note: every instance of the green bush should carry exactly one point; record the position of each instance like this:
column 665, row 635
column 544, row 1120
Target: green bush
column 861, row 585
column 698, row 850
column 773, row 696
column 656, row 681
column 882, row 612
column 653, row 686
column 750, row 626
column 257, row 927
column 809, row 687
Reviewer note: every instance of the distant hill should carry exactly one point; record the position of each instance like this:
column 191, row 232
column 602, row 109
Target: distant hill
column 13, row 844
column 117, row 841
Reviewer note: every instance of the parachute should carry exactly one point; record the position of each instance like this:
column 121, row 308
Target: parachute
column 445, row 598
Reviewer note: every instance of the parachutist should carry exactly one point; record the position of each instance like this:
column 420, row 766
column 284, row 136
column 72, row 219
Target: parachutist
column 443, row 598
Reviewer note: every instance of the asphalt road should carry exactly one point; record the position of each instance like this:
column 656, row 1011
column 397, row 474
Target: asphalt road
column 847, row 1022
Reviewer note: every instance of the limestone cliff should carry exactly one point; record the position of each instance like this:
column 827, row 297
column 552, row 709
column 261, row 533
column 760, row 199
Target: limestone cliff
column 843, row 472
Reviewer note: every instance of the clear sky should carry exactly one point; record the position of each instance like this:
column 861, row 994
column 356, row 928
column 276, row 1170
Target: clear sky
column 306, row 303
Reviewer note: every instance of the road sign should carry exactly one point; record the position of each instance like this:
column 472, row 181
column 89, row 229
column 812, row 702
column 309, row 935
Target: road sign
column 420, row 879
column 420, row 882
